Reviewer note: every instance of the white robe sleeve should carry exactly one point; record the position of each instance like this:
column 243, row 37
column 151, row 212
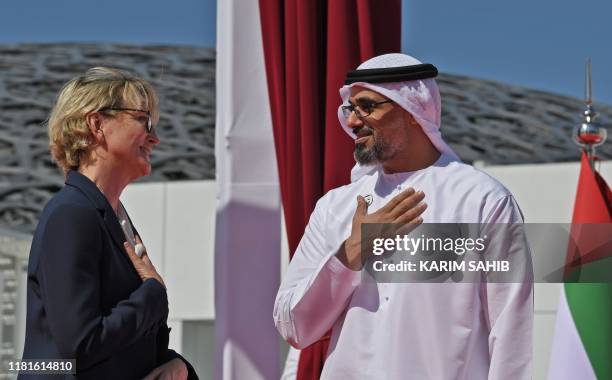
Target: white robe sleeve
column 317, row 286
column 509, row 307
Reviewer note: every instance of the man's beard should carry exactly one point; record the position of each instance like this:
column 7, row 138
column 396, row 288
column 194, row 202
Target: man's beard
column 379, row 152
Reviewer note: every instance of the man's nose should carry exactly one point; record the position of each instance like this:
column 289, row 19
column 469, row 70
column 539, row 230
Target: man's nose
column 353, row 121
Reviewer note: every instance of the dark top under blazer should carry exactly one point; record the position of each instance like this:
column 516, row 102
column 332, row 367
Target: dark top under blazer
column 85, row 300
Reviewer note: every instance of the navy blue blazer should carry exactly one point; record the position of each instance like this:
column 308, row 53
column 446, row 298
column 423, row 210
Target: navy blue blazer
column 85, row 300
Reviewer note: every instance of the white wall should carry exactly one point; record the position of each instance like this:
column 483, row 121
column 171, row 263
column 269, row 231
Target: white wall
column 176, row 221
column 545, row 192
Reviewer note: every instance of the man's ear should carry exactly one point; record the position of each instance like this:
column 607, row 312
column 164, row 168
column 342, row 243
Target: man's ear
column 94, row 123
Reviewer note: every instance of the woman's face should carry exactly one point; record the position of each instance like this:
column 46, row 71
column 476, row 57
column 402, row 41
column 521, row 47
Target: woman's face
column 128, row 143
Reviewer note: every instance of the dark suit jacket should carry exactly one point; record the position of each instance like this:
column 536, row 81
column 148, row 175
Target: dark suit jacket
column 85, row 299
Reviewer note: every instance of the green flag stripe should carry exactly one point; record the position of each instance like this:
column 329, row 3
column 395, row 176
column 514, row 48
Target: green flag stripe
column 598, row 271
column 591, row 309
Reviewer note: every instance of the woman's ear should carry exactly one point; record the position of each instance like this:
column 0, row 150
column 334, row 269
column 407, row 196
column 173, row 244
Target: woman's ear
column 94, row 123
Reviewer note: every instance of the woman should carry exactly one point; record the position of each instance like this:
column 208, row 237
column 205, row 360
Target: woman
column 91, row 296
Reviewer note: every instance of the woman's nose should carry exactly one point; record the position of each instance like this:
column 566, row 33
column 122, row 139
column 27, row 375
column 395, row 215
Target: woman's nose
column 152, row 138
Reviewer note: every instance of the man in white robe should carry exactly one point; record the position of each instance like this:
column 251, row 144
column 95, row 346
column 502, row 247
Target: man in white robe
column 391, row 331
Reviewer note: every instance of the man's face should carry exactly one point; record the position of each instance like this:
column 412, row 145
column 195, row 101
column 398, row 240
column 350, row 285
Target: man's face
column 382, row 133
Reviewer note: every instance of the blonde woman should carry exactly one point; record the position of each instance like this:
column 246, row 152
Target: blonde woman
column 93, row 294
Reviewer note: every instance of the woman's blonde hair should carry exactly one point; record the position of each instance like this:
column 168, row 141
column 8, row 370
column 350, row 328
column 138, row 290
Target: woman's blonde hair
column 100, row 87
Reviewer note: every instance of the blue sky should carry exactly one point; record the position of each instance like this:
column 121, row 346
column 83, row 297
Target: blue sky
column 540, row 44
column 535, row 43
column 185, row 22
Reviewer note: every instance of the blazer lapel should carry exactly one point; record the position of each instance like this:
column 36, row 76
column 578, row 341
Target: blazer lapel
column 114, row 227
column 91, row 191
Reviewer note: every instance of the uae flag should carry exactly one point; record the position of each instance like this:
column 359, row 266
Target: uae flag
column 582, row 345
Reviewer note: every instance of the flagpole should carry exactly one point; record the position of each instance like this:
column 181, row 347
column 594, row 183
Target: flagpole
column 589, row 134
